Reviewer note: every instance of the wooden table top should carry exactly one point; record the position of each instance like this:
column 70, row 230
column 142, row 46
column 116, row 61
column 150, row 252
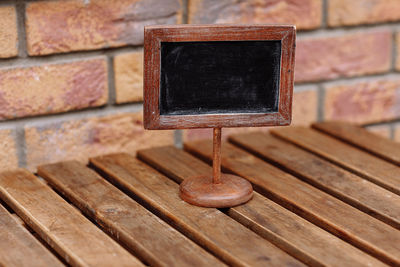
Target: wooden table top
column 324, row 196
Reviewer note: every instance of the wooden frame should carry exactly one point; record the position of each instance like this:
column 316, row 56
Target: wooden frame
column 154, row 35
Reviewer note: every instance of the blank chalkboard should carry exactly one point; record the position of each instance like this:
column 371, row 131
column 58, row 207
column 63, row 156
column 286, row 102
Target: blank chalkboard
column 219, row 77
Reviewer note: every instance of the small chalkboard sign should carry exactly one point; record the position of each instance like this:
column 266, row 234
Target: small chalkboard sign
column 214, row 76
column 208, row 76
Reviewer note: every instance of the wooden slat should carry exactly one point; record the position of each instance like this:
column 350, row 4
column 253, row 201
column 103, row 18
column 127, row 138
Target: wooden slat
column 67, row 231
column 226, row 238
column 374, row 169
column 350, row 188
column 149, row 237
column 18, row 247
column 360, row 137
column 290, row 232
column 347, row 222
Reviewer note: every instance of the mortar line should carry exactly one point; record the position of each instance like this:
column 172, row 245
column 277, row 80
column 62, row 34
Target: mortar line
column 396, row 128
column 73, row 115
column 320, row 103
column 72, row 56
column 355, row 79
column 324, row 17
column 111, row 80
column 394, row 51
column 391, row 131
column 178, row 138
column 338, row 31
column 20, row 141
column 304, row 87
column 22, row 46
column 20, row 146
column 185, row 12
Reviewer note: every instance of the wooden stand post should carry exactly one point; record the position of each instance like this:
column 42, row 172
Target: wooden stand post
column 218, row 190
column 217, row 155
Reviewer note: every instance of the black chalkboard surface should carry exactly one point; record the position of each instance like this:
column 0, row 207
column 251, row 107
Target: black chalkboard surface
column 214, row 77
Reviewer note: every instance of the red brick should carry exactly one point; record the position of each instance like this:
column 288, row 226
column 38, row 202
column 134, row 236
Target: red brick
column 346, row 55
column 8, row 32
column 304, row 112
column 305, row 14
column 8, row 150
column 305, row 107
column 364, row 102
column 128, row 69
column 381, row 130
column 52, row 88
column 63, row 26
column 84, row 138
column 354, row 12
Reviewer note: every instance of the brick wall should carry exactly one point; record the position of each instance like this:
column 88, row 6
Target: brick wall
column 71, row 71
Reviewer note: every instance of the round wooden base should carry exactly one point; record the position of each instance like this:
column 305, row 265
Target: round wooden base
column 201, row 191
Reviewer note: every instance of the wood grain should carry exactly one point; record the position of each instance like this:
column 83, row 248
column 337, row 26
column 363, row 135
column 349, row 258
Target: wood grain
column 212, row 229
column 360, row 137
column 149, row 237
column 374, row 169
column 18, row 247
column 352, row 189
column 335, row 216
column 155, row 34
column 288, row 231
column 66, row 230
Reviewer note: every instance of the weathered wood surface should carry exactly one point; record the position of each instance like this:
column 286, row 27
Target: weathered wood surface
column 66, row 230
column 314, row 206
column 347, row 222
column 148, row 236
column 361, row 163
column 360, row 137
column 18, row 247
column 212, row 229
column 288, row 231
column 324, row 175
